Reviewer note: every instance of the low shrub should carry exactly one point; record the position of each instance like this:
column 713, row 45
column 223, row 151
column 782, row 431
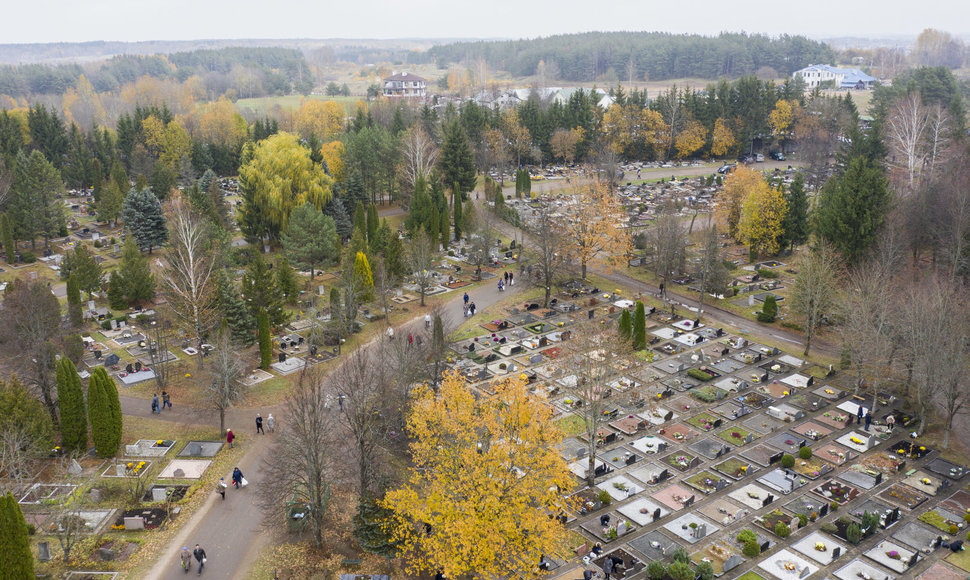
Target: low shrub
column 604, row 497
column 751, row 549
column 792, row 325
column 681, row 555
column 766, row 273
column 680, row 571
column 834, row 506
column 802, row 520
column 765, row 317
column 704, row 571
column 656, row 570
column 782, row 530
column 787, row 461
column 828, row 527
column 28, row 258
column 699, row 374
column 853, row 534
column 805, row 453
column 746, row 535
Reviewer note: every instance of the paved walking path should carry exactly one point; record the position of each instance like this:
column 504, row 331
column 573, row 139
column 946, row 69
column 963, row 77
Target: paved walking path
column 231, row 531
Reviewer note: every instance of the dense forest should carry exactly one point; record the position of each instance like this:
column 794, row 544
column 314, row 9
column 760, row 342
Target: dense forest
column 262, row 71
column 640, row 55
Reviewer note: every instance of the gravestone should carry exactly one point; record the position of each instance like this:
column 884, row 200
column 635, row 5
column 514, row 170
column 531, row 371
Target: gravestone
column 913, row 559
column 543, row 341
column 106, row 554
column 179, row 473
column 811, row 381
column 668, row 415
column 656, row 514
column 689, row 501
column 765, row 546
column 793, row 524
column 823, row 510
column 91, row 305
column 159, row 493
column 733, row 562
column 44, row 551
column 631, row 460
column 836, row 552
column 193, row 448
column 132, row 450
column 806, row 571
column 878, row 478
column 75, row 468
column 775, row 458
column 717, row 423
column 535, row 359
column 748, row 438
column 700, row 531
column 134, row 523
column 767, row 500
column 721, row 484
column 282, row 357
column 114, row 324
column 94, row 496
column 120, row 469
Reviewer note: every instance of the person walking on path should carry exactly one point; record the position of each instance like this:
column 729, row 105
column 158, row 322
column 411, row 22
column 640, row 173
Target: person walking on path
column 186, row 559
column 259, row 424
column 271, row 423
column 410, row 339
column 511, row 279
column 229, row 437
column 868, row 419
column 466, row 302
column 859, row 414
column 155, row 408
column 166, row 401
column 891, row 422
column 506, row 276
column 427, row 317
column 237, row 477
column 199, row 554
column 221, row 488
column 473, row 309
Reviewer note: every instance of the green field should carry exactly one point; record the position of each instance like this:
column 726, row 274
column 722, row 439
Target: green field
column 262, row 105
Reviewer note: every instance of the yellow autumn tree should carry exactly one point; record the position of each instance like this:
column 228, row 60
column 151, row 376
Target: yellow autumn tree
column 333, row 155
column 277, row 177
column 722, row 139
column 325, row 119
column 483, row 484
column 762, row 215
column 629, row 127
column 736, row 188
column 690, row 139
column 220, row 123
column 782, row 117
column 593, row 228
column 170, row 143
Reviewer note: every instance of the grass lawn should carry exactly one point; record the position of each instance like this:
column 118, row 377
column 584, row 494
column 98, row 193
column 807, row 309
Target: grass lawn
column 960, row 559
column 571, row 425
column 701, row 420
column 751, row 576
column 733, row 467
column 934, row 519
column 729, row 435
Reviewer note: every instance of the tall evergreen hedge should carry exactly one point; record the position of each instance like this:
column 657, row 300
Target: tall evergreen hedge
column 70, row 403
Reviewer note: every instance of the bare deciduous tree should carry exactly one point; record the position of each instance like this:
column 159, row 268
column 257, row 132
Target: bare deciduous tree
column 813, row 294
column 224, row 389
column 305, row 459
column 547, row 245
column 420, row 258
column 419, row 154
column 188, row 275
column 667, row 248
column 906, row 130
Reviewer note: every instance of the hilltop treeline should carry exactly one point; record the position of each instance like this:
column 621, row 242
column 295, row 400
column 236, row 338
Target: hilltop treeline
column 257, row 72
column 647, row 55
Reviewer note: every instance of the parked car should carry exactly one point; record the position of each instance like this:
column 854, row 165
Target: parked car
column 759, row 158
column 777, row 155
column 726, row 168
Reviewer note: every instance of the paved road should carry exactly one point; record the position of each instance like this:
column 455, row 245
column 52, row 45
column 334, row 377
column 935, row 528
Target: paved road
column 231, row 531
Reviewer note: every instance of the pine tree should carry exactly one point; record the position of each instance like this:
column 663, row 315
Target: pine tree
column 420, row 206
column 110, row 204
column 265, row 340
column 459, row 225
column 311, row 239
column 136, row 275
column 241, row 323
column 639, row 327
column 286, row 281
column 526, row 184
column 144, row 219
column 9, row 246
column 852, row 208
column 363, row 277
column 369, row 528
column 457, row 159
column 625, row 328
column 372, row 223
column 74, row 302
column 116, row 291
column 70, row 404
column 16, row 559
column 360, row 219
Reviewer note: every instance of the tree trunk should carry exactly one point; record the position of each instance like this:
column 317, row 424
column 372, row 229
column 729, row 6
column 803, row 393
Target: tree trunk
column 222, row 420
column 591, row 467
column 946, row 431
column 808, row 343
column 584, row 270
column 548, row 292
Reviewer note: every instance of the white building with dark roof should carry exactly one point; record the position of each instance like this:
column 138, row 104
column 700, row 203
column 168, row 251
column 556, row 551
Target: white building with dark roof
column 842, row 78
column 405, row 84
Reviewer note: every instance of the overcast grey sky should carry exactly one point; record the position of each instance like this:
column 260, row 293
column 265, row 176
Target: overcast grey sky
column 133, row 20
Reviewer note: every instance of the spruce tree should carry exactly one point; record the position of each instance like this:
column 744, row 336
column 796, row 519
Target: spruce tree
column 457, row 159
column 770, row 309
column 394, row 255
column 110, row 204
column 136, row 274
column 432, row 226
column 9, row 246
column 241, row 323
column 74, row 302
column 116, row 291
column 639, row 327
column 286, row 281
column 70, row 404
column 341, row 220
column 382, row 237
column 265, row 340
column 625, row 328
column 444, row 228
column 795, row 224
column 260, row 290
column 852, row 208
column 16, row 559
column 372, row 223
column 144, row 219
column 335, row 309
column 370, row 528
column 526, row 184
column 82, row 266
column 459, row 226
column 420, row 206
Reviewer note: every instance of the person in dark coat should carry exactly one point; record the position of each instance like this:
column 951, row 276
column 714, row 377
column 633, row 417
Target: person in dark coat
column 199, row 554
column 608, row 567
column 237, row 477
column 868, row 420
column 259, row 424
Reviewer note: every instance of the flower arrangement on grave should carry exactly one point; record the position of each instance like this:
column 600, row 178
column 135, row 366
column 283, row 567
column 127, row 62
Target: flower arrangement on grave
column 893, row 554
column 926, row 481
column 820, row 547
column 841, row 417
column 620, row 485
column 855, row 440
column 678, row 435
column 754, row 495
column 159, row 442
column 790, row 566
column 829, row 392
column 813, row 434
column 681, row 461
column 789, row 442
column 735, row 434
